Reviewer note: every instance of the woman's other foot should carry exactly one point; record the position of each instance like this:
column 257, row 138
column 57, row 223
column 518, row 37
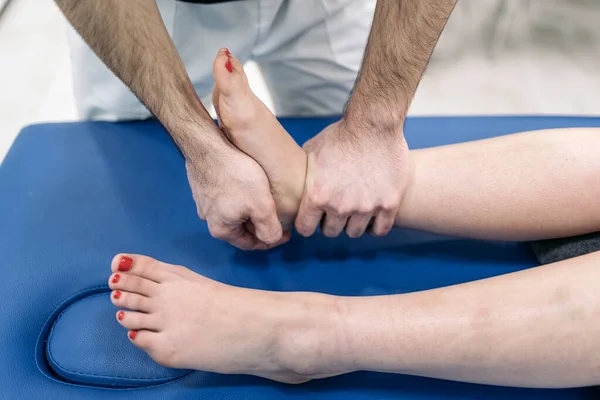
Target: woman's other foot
column 184, row 320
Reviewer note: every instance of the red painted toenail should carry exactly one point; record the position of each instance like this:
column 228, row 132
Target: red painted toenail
column 120, row 315
column 229, row 66
column 132, row 334
column 117, row 294
column 227, row 52
column 125, row 263
column 116, row 278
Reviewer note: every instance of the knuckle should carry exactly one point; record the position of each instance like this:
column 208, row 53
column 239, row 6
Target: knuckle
column 390, row 205
column 317, row 201
column 201, row 213
column 218, row 231
column 264, row 212
column 270, row 236
column 391, row 202
column 365, row 209
column 231, row 212
column 317, row 198
column 349, row 207
column 338, row 207
column 342, row 210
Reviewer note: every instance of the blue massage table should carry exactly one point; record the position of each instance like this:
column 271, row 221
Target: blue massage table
column 72, row 195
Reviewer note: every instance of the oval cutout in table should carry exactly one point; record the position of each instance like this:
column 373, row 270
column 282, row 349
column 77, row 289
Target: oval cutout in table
column 88, row 346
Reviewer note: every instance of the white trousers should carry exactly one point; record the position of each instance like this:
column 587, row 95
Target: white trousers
column 309, row 52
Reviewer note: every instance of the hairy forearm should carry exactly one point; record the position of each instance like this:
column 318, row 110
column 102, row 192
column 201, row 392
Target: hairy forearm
column 527, row 186
column 402, row 38
column 131, row 39
column 534, row 328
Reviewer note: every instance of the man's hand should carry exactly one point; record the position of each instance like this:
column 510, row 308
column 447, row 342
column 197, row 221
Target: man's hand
column 230, row 189
column 232, row 194
column 351, row 179
column 358, row 168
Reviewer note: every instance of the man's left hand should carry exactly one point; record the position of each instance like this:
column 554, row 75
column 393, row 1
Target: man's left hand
column 354, row 175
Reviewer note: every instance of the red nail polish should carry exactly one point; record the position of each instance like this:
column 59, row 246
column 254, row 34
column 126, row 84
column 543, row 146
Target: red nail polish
column 116, row 278
column 117, row 294
column 132, row 334
column 125, row 263
column 227, row 52
column 120, row 315
column 228, row 66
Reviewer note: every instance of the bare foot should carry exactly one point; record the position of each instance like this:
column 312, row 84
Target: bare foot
column 184, row 320
column 254, row 129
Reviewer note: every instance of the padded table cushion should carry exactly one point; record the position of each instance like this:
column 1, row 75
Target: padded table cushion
column 73, row 195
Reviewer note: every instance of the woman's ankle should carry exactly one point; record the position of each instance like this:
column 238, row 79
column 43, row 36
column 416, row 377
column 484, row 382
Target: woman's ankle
column 311, row 340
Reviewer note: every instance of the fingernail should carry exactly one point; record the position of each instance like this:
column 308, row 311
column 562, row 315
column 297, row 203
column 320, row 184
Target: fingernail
column 227, row 52
column 228, row 65
column 125, row 263
column 116, row 294
column 120, row 315
column 132, row 334
column 116, row 278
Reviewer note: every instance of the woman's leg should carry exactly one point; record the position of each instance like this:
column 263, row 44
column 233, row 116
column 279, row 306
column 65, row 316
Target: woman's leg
column 527, row 186
column 534, row 328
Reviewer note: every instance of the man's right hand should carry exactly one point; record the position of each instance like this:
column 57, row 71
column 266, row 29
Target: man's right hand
column 230, row 189
column 232, row 194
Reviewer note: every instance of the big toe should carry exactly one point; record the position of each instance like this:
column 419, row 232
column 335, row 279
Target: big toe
column 230, row 78
column 236, row 105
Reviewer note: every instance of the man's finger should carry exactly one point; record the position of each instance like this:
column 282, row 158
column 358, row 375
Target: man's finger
column 247, row 241
column 284, row 239
column 236, row 235
column 308, row 217
column 384, row 222
column 357, row 224
column 310, row 212
column 262, row 245
column 333, row 225
column 267, row 227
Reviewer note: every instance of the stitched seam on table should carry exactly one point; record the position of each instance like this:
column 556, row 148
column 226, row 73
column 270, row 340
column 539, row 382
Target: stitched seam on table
column 107, row 376
column 53, row 359
column 52, row 313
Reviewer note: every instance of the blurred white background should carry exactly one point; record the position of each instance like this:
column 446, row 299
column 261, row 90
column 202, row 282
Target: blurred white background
column 494, row 57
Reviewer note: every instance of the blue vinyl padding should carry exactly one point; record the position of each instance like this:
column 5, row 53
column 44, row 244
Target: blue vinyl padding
column 72, row 195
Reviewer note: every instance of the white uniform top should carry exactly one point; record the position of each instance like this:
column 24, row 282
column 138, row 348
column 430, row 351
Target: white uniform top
column 309, row 52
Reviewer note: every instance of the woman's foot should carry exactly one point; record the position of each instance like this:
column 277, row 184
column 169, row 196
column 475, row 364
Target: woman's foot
column 184, row 320
column 254, row 129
